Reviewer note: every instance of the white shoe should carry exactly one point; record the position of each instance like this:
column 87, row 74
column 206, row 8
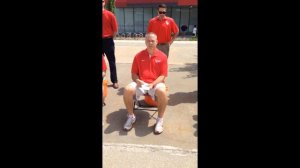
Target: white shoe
column 129, row 122
column 159, row 126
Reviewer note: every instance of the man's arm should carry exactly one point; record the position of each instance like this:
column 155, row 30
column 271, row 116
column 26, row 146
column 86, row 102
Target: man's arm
column 115, row 34
column 173, row 38
column 160, row 79
column 136, row 79
column 149, row 29
column 175, row 31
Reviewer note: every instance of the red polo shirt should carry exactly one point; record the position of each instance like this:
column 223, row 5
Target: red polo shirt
column 163, row 28
column 103, row 64
column 149, row 69
column 109, row 24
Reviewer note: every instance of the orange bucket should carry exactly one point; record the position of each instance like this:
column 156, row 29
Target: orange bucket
column 105, row 83
column 150, row 101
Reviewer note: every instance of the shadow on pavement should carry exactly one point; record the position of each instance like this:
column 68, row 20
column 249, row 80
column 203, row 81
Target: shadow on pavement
column 190, row 67
column 117, row 119
column 182, row 97
column 142, row 121
column 120, row 91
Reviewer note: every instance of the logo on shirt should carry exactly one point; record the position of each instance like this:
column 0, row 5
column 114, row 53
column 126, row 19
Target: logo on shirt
column 167, row 22
column 157, row 61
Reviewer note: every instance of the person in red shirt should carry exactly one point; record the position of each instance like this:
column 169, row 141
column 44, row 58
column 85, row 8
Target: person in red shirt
column 109, row 31
column 165, row 28
column 104, row 86
column 148, row 71
column 103, row 67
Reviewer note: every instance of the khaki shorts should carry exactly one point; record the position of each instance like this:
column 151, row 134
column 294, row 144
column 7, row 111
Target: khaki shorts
column 164, row 48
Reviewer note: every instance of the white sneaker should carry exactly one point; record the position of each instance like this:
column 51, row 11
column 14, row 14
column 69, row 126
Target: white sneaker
column 159, row 126
column 129, row 122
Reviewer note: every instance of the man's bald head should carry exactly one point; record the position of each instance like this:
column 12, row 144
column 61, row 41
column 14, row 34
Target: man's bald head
column 151, row 40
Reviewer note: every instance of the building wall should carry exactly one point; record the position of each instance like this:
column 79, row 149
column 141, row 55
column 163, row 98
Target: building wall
column 135, row 19
column 127, row 3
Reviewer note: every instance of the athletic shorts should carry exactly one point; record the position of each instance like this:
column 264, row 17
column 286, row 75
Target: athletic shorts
column 139, row 91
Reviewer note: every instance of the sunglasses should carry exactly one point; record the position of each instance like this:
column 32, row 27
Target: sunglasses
column 162, row 12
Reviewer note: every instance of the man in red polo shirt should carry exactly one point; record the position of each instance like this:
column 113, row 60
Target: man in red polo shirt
column 109, row 31
column 148, row 71
column 165, row 28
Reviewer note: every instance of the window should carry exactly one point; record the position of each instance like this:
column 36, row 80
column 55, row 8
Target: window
column 193, row 18
column 147, row 17
column 138, row 20
column 184, row 18
column 120, row 18
column 128, row 20
column 176, row 16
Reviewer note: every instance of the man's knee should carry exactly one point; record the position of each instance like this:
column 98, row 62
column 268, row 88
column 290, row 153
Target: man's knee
column 161, row 92
column 129, row 90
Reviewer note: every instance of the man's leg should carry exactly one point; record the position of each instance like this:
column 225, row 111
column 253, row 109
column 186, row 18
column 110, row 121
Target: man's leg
column 129, row 92
column 162, row 101
column 164, row 48
column 109, row 50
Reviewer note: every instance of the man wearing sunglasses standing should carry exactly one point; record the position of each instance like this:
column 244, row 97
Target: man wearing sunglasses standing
column 109, row 31
column 165, row 28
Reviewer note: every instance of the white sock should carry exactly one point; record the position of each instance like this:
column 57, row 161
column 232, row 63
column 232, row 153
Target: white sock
column 132, row 116
column 160, row 119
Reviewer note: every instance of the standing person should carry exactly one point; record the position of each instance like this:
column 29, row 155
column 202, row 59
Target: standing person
column 165, row 28
column 183, row 29
column 149, row 68
column 195, row 31
column 109, row 31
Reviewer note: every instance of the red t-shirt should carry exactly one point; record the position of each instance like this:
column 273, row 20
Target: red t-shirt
column 149, row 69
column 163, row 28
column 103, row 64
column 109, row 24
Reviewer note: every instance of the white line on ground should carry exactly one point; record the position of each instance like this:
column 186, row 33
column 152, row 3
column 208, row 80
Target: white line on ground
column 149, row 148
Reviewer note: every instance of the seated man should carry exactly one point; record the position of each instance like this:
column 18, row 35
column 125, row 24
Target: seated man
column 148, row 71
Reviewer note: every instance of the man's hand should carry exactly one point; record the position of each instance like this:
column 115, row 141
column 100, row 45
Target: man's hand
column 150, row 86
column 173, row 38
column 140, row 82
column 115, row 35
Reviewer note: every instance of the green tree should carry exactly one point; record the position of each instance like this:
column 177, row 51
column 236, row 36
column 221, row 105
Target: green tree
column 110, row 6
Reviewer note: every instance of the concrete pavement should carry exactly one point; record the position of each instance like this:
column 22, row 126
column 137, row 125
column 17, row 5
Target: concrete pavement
column 141, row 145
column 147, row 156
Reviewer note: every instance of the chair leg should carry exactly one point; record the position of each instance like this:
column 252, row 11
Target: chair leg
column 153, row 115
